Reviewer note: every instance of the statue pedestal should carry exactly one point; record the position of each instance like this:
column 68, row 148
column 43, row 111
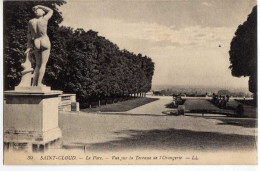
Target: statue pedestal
column 31, row 116
column 32, row 89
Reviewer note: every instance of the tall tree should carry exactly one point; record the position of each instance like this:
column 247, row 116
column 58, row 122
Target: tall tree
column 243, row 51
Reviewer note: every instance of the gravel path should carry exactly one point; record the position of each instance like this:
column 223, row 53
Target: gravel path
column 147, row 129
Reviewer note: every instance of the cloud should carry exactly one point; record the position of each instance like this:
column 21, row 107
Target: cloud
column 177, row 13
column 208, row 4
column 156, row 34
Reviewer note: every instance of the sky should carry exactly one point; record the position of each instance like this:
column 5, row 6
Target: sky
column 182, row 37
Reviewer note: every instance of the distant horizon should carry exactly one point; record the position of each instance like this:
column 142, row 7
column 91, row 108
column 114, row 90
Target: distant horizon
column 163, row 87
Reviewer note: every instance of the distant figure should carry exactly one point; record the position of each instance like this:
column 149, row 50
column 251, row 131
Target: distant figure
column 39, row 42
column 227, row 98
column 174, row 101
column 214, row 98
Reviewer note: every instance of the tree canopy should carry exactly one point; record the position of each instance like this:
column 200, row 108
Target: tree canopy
column 243, row 51
column 81, row 62
column 224, row 93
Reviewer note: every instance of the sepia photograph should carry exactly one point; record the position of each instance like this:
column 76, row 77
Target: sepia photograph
column 130, row 82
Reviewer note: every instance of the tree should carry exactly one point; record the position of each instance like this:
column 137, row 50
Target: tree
column 243, row 51
column 224, row 93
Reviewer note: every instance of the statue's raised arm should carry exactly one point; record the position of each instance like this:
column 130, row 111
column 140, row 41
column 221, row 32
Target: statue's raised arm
column 47, row 10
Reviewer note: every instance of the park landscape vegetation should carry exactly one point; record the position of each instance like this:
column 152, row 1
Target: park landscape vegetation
column 81, row 62
column 94, row 68
column 243, row 51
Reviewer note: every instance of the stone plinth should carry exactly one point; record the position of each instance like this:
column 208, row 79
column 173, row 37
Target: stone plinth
column 31, row 116
column 22, row 89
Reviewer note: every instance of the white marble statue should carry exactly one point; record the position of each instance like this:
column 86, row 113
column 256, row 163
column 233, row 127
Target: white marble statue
column 39, row 44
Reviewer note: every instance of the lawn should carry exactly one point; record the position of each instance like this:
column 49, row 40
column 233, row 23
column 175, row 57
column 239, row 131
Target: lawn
column 199, row 105
column 121, row 106
column 204, row 105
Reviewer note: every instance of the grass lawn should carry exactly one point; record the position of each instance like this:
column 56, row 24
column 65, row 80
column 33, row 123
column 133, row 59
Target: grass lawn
column 121, row 106
column 205, row 106
column 248, row 102
column 199, row 105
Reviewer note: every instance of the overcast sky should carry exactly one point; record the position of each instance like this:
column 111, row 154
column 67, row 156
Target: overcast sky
column 181, row 36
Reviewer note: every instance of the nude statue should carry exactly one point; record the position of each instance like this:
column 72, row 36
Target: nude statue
column 38, row 42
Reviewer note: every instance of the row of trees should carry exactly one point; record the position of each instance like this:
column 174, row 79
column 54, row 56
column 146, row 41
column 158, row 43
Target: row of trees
column 81, row 62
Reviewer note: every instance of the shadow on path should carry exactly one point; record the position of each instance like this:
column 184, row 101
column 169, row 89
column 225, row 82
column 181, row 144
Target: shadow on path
column 174, row 139
column 244, row 122
column 247, row 123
